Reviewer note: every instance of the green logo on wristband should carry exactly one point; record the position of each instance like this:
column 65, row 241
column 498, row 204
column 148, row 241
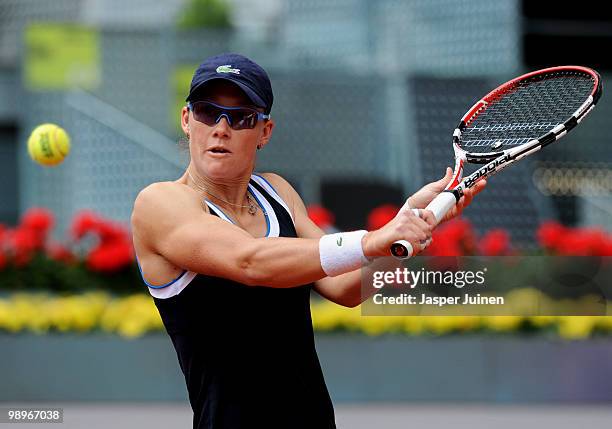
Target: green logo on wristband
column 339, row 241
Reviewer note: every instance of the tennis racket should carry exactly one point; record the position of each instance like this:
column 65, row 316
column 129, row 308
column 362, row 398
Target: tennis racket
column 511, row 122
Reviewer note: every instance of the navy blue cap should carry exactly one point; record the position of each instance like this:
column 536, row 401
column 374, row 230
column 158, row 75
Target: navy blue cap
column 236, row 68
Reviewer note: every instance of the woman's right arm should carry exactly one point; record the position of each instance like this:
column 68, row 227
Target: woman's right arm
column 169, row 220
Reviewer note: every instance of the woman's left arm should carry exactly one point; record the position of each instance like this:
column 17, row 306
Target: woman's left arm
column 343, row 289
column 346, row 289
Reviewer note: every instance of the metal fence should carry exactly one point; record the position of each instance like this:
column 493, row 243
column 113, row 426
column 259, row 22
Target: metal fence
column 364, row 90
column 447, row 37
column 16, row 14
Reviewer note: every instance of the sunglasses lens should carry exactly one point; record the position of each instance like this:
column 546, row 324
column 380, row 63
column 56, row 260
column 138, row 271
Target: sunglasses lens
column 209, row 114
column 206, row 113
column 243, row 119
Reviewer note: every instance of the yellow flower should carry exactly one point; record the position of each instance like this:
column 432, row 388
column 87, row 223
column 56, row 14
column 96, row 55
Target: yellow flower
column 413, row 324
column 502, row 323
column 324, row 316
column 135, row 315
column 440, row 324
column 542, row 321
column 8, row 317
column 576, row 327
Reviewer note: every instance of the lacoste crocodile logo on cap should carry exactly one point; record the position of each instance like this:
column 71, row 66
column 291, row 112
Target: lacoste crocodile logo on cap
column 227, row 69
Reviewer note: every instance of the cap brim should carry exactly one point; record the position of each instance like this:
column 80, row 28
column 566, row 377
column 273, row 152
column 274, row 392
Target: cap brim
column 257, row 101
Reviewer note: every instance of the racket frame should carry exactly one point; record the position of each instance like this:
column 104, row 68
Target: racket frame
column 497, row 161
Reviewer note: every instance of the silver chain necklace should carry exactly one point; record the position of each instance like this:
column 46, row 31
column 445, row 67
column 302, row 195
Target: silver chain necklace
column 252, row 206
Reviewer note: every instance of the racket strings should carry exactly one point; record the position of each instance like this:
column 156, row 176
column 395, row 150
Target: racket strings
column 527, row 111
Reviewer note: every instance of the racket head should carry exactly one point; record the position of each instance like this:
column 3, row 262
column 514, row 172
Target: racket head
column 542, row 105
column 513, row 121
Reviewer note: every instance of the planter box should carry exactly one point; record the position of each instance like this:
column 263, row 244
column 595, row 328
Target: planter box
column 99, row 367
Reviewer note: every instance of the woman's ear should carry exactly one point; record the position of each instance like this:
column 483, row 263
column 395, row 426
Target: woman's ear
column 266, row 133
column 185, row 121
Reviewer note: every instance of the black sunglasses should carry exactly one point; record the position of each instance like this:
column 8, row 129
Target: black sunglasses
column 239, row 118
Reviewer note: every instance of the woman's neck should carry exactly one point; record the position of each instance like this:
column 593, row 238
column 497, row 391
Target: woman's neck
column 228, row 194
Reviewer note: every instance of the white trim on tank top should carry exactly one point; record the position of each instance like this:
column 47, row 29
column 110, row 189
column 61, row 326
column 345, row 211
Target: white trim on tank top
column 177, row 285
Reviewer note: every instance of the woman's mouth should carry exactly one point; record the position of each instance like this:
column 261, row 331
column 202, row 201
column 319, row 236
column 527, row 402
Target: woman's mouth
column 218, row 151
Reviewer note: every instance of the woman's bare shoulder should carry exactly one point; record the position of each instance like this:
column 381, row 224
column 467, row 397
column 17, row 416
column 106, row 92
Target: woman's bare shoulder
column 158, row 189
column 161, row 198
column 167, row 192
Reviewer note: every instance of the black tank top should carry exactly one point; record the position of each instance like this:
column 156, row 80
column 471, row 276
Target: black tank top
column 247, row 353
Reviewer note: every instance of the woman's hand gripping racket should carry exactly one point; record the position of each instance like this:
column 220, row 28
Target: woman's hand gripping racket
column 511, row 122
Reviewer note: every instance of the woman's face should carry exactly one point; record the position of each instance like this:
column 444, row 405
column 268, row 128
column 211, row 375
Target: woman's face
column 218, row 151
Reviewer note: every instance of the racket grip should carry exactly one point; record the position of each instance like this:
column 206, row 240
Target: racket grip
column 439, row 206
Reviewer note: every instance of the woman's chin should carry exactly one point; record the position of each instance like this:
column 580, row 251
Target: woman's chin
column 221, row 167
column 217, row 171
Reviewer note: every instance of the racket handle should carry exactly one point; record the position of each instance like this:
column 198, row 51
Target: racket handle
column 402, row 249
column 439, row 206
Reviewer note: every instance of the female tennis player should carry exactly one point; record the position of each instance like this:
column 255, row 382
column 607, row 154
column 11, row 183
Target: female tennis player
column 230, row 258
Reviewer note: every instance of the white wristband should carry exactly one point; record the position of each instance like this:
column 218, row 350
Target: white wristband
column 342, row 252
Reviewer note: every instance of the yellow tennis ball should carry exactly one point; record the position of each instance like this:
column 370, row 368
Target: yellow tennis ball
column 48, row 144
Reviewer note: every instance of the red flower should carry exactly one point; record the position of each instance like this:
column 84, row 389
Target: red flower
column 550, row 234
column 443, row 246
column 574, row 244
column 322, row 217
column 606, row 249
column 24, row 240
column 82, row 223
column 494, row 243
column 574, row 241
column 598, row 239
column 453, row 238
column 110, row 257
column 381, row 215
column 582, row 242
column 22, row 243
column 38, row 219
column 458, row 230
column 109, row 231
column 114, row 249
column 59, row 252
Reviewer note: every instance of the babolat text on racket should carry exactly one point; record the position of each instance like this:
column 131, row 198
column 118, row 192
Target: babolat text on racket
column 511, row 122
